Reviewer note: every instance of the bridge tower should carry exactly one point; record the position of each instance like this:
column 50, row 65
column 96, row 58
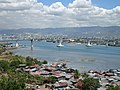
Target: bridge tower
column 32, row 43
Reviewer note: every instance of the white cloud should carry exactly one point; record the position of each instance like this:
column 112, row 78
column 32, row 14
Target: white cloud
column 56, row 9
column 31, row 14
column 16, row 4
column 80, row 4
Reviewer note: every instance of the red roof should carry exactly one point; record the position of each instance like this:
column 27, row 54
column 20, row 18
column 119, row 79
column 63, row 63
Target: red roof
column 79, row 83
column 61, row 84
column 117, row 83
column 34, row 66
column 56, row 73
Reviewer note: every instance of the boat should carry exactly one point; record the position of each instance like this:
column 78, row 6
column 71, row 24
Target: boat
column 16, row 45
column 60, row 44
column 78, row 43
column 89, row 44
column 107, row 44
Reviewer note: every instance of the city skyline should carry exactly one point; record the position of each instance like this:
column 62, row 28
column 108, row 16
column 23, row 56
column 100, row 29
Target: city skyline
column 16, row 14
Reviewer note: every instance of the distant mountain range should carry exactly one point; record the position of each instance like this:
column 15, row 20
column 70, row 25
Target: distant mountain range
column 88, row 31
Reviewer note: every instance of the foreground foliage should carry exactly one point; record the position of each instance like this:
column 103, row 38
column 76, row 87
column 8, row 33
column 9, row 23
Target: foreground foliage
column 11, row 79
column 8, row 83
column 113, row 87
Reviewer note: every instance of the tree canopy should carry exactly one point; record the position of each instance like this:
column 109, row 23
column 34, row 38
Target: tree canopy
column 111, row 87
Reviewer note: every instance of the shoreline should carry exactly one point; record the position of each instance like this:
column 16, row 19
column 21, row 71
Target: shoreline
column 85, row 61
column 66, row 75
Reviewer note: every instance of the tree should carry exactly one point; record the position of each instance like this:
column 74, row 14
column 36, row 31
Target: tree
column 14, row 64
column 111, row 87
column 52, row 79
column 3, row 83
column 76, row 74
column 90, row 84
column 8, row 83
column 29, row 61
column 1, row 51
column 4, row 66
column 85, row 75
column 45, row 62
column 10, row 53
column 37, row 62
column 39, row 79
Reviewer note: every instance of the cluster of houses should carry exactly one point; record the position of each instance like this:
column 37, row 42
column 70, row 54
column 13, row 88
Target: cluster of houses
column 106, row 77
column 66, row 76
column 59, row 70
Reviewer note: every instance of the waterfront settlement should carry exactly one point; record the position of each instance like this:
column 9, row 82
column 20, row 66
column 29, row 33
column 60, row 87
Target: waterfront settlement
column 26, row 73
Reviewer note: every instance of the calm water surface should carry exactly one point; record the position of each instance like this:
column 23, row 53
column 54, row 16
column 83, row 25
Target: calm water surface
column 103, row 57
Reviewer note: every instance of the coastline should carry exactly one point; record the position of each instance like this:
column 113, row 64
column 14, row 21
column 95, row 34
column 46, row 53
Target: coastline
column 59, row 69
column 78, row 56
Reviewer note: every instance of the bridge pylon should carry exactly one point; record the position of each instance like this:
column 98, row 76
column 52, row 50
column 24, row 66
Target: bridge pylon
column 32, row 43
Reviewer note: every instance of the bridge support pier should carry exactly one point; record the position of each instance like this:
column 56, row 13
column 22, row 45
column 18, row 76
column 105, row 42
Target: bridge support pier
column 32, row 43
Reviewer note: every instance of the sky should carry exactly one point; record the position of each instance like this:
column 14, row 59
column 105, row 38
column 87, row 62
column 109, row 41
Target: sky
column 108, row 4
column 15, row 14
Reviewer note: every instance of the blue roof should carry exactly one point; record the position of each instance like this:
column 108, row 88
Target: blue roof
column 60, row 89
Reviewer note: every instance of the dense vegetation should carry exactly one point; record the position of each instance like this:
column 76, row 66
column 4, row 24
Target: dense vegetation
column 90, row 84
column 10, row 83
column 13, row 79
column 113, row 87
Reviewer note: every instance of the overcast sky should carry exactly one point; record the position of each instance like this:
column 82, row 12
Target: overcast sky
column 58, row 13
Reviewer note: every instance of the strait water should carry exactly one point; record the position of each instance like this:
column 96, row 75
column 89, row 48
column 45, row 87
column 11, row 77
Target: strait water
column 102, row 57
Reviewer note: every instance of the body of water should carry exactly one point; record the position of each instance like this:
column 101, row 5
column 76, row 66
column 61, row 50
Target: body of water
column 78, row 56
